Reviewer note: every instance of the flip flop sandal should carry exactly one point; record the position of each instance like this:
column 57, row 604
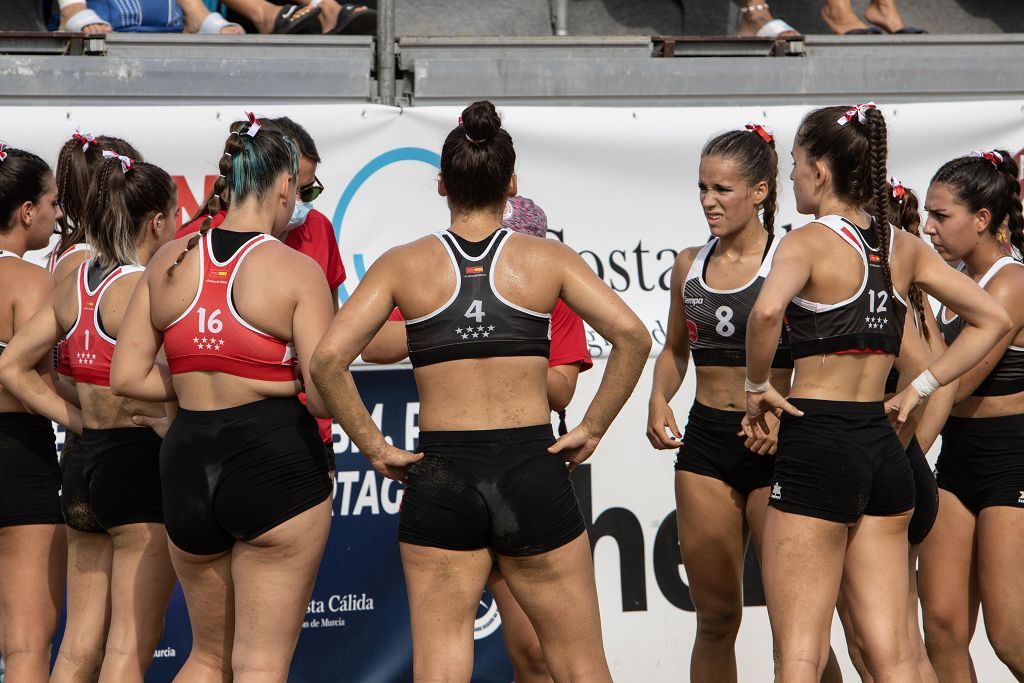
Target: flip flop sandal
column 356, row 20
column 287, row 22
column 774, row 28
column 909, row 30
column 83, row 18
column 214, row 23
column 868, row 31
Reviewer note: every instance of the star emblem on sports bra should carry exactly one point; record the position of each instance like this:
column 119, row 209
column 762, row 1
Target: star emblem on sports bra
column 458, row 330
column 480, row 329
column 487, row 334
column 465, row 336
column 490, row 328
column 475, row 335
column 195, row 340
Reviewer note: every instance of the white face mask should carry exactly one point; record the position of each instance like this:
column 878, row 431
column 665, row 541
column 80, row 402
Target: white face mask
column 299, row 214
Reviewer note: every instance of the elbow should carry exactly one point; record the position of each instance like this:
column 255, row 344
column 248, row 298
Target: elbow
column 323, row 365
column 640, row 339
column 120, row 384
column 763, row 316
column 1003, row 321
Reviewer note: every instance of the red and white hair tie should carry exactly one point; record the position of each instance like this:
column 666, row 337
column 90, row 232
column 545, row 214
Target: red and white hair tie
column 899, row 192
column 766, row 134
column 85, row 138
column 858, row 111
column 3, row 151
column 254, row 124
column 126, row 163
column 993, row 156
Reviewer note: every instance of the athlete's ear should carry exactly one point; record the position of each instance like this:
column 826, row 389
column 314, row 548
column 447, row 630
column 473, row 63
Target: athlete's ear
column 441, row 189
column 155, row 226
column 286, row 187
column 25, row 213
column 982, row 220
column 513, row 186
column 822, row 174
column 760, row 191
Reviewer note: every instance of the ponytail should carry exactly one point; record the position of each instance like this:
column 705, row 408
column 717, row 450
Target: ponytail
column 121, row 200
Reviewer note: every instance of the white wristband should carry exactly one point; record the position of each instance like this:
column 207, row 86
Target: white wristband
column 925, row 384
column 752, row 388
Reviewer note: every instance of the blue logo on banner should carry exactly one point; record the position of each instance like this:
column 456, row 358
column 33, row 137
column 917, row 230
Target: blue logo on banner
column 394, row 156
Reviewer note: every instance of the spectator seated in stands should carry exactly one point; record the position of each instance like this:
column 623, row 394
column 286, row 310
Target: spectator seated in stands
column 335, row 17
column 193, row 16
column 756, row 19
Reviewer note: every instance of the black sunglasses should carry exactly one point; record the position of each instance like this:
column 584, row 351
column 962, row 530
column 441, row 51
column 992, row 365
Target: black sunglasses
column 311, row 191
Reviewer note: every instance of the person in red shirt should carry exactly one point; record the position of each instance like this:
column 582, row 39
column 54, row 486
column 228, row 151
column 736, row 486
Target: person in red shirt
column 569, row 357
column 310, row 232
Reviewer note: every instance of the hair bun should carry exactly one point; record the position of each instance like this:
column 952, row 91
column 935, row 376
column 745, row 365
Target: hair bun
column 481, row 120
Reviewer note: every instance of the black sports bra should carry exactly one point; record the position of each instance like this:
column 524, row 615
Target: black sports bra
column 1007, row 377
column 477, row 322
column 870, row 320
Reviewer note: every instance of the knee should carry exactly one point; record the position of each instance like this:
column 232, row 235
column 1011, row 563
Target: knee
column 85, row 656
column 719, row 624
column 945, row 629
column 1008, row 643
column 529, row 661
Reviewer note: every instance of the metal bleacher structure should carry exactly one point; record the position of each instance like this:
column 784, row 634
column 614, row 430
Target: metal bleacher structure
column 409, row 70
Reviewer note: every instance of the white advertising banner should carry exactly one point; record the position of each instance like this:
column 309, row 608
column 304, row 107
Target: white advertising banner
column 619, row 186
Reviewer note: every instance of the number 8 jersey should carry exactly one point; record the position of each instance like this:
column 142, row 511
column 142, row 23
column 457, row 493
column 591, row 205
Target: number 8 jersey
column 717, row 319
column 476, row 321
column 211, row 336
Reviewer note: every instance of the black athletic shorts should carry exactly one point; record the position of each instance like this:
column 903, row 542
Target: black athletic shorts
column 112, row 477
column 711, row 447
column 29, row 474
column 840, row 461
column 982, row 461
column 494, row 488
column 237, row 473
column 926, row 502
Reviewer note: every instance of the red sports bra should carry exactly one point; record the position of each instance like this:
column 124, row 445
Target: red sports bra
column 62, row 361
column 89, row 348
column 211, row 336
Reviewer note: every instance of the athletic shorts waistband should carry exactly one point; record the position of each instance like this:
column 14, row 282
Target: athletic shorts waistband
column 816, row 406
column 23, row 420
column 983, row 423
column 716, row 414
column 120, row 434
column 270, row 408
column 473, row 436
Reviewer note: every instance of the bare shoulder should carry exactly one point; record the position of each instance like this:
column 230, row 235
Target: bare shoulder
column 31, row 276
column 69, row 265
column 1006, row 285
column 685, row 259
column 166, row 255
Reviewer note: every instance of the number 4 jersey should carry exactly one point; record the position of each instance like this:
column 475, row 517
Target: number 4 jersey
column 717, row 318
column 211, row 336
column 476, row 321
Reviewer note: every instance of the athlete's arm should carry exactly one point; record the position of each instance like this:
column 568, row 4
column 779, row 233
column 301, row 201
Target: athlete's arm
column 31, row 348
column 312, row 316
column 611, row 318
column 389, row 345
column 936, row 409
column 670, row 367
column 134, row 372
column 330, row 368
column 987, row 322
column 790, row 273
column 562, row 385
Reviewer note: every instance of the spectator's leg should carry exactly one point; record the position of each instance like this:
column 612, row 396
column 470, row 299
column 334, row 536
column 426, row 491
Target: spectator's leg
column 261, row 13
column 195, row 12
column 885, row 15
column 753, row 15
column 840, row 17
column 71, row 9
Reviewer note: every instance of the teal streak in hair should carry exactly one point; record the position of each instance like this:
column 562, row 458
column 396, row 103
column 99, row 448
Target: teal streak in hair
column 253, row 172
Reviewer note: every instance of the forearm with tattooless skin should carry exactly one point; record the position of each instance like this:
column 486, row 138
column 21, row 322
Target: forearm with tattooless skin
column 622, row 371
column 338, row 390
column 763, row 330
column 669, row 373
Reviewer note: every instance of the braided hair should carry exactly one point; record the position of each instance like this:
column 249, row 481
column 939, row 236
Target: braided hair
column 249, row 166
column 904, row 210
column 118, row 206
column 989, row 181
column 757, row 161
column 75, row 166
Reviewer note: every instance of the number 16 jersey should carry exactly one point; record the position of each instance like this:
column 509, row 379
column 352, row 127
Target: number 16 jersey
column 717, row 318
